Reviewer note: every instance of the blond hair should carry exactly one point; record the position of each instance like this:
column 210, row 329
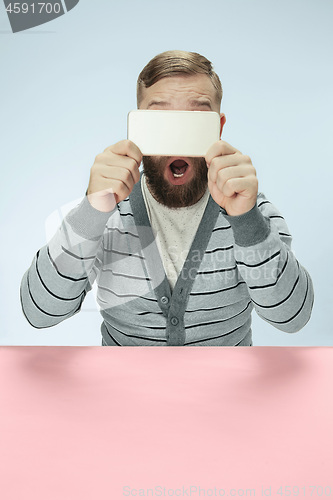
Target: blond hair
column 174, row 63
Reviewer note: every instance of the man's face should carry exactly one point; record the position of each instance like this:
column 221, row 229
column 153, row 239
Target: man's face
column 178, row 181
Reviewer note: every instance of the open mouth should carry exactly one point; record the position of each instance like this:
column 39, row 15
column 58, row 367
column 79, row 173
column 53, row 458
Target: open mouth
column 178, row 168
column 179, row 171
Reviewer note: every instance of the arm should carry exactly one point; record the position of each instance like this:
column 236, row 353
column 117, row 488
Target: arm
column 280, row 288
column 62, row 272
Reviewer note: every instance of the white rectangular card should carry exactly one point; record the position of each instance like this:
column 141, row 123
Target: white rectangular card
column 173, row 133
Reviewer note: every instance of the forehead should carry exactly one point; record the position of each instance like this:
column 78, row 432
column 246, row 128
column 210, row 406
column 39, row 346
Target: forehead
column 181, row 86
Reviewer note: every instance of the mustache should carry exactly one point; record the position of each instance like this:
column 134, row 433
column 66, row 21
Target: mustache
column 159, row 162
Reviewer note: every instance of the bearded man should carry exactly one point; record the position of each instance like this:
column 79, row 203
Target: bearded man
column 182, row 252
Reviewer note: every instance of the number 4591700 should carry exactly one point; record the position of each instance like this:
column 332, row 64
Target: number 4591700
column 24, row 8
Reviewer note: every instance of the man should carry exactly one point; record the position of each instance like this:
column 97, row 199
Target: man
column 182, row 253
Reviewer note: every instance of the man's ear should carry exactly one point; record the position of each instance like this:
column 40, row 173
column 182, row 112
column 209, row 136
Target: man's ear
column 222, row 121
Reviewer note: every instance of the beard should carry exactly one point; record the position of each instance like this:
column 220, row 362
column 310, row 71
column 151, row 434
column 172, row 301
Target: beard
column 166, row 193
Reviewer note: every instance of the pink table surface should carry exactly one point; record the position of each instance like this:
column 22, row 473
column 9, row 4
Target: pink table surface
column 112, row 423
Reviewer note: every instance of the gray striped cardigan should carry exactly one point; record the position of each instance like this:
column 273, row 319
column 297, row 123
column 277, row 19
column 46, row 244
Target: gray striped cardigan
column 235, row 264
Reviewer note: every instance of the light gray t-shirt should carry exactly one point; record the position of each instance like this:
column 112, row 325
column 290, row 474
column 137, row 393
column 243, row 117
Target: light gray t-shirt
column 174, row 230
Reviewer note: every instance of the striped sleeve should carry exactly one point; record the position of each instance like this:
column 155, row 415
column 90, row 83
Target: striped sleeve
column 62, row 272
column 280, row 288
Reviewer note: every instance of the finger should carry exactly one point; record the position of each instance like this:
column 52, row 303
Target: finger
column 219, row 148
column 126, row 162
column 119, row 189
column 222, row 162
column 224, row 174
column 115, row 187
column 239, row 185
column 102, row 185
column 122, row 174
column 117, row 161
column 126, row 148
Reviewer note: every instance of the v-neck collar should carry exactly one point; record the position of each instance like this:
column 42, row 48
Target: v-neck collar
column 155, row 266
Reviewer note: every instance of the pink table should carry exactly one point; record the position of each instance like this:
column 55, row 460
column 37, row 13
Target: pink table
column 109, row 423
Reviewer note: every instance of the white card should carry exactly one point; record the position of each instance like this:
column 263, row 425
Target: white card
column 173, row 133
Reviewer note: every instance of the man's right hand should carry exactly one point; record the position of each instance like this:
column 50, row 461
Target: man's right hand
column 113, row 175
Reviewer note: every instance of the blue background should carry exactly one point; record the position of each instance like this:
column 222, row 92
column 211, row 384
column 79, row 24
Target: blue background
column 66, row 89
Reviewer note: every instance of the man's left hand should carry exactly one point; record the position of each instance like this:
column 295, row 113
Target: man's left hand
column 232, row 179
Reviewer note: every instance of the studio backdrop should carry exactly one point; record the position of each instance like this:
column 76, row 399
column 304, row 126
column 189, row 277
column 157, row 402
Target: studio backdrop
column 69, row 72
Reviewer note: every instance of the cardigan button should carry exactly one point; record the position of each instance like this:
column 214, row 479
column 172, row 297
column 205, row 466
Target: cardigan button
column 164, row 300
column 174, row 321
